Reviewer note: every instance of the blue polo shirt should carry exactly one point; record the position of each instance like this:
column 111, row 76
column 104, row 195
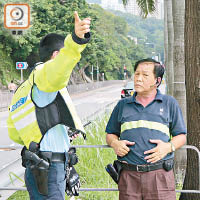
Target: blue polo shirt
column 161, row 119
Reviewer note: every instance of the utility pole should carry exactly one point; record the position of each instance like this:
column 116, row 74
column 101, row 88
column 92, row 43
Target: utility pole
column 125, row 71
column 92, row 73
column 97, row 72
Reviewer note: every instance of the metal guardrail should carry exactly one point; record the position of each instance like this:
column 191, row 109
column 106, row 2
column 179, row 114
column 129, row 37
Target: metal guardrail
column 10, row 148
column 5, row 99
column 97, row 190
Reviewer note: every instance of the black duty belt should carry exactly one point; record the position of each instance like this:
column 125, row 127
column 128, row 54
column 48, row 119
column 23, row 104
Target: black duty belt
column 58, row 157
column 146, row 167
column 54, row 156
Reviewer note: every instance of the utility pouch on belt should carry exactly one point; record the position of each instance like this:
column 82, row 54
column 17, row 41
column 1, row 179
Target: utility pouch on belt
column 73, row 158
column 168, row 164
column 114, row 170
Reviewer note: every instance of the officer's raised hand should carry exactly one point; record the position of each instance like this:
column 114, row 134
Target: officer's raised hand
column 81, row 27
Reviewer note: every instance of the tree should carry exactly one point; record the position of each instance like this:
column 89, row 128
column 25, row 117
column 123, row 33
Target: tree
column 165, row 36
column 179, row 75
column 192, row 71
column 170, row 31
column 146, row 6
column 179, row 57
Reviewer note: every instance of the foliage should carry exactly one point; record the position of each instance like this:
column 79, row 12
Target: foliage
column 110, row 48
column 92, row 167
column 149, row 32
column 47, row 16
column 6, row 68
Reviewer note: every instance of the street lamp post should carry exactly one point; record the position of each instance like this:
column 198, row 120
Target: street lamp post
column 125, row 71
column 92, row 73
column 97, row 72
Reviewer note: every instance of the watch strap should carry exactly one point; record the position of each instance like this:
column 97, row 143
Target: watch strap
column 172, row 146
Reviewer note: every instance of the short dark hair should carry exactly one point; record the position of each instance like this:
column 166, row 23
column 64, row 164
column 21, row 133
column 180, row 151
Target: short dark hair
column 50, row 43
column 159, row 69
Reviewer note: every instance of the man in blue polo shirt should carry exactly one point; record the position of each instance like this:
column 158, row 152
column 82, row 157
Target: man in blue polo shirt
column 144, row 130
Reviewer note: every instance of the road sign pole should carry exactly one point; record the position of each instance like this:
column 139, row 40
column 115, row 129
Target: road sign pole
column 92, row 73
column 21, row 75
column 103, row 76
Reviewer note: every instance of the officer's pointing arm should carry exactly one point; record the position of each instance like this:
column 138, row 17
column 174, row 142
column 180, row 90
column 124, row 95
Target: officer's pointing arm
column 54, row 74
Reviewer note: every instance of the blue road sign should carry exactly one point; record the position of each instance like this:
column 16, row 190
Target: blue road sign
column 21, row 65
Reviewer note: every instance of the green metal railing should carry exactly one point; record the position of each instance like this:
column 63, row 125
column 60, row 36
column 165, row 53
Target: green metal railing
column 9, row 148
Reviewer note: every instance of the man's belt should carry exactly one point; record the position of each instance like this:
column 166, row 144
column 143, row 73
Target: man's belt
column 53, row 156
column 167, row 165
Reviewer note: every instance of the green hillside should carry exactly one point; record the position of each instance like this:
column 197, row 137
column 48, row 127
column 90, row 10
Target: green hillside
column 149, row 32
column 110, row 47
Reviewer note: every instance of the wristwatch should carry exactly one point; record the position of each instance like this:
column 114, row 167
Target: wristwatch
column 172, row 146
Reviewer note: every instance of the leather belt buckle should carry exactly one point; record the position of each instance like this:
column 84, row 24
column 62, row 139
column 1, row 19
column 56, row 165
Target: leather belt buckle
column 140, row 168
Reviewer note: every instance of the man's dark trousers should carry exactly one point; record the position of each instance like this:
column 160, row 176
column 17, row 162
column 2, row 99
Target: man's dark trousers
column 153, row 185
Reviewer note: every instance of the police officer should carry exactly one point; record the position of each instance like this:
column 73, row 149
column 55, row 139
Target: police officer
column 40, row 109
column 144, row 130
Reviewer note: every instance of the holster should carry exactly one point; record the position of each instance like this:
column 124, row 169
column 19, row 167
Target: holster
column 114, row 170
column 39, row 166
column 24, row 160
column 41, row 179
column 40, row 173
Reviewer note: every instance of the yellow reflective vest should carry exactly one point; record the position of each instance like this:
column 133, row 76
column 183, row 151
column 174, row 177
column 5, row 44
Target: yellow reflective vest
column 52, row 76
